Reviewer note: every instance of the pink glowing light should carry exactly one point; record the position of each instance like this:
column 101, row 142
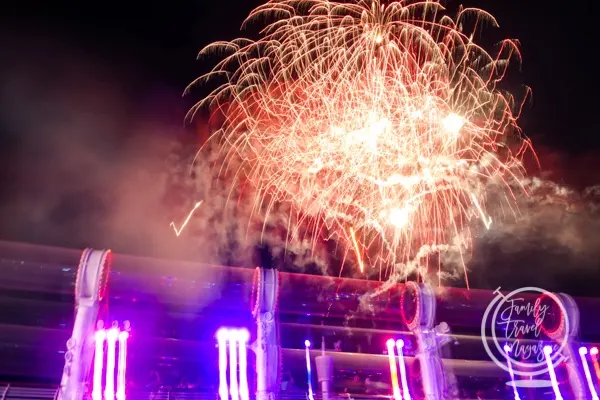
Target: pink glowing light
column 98, row 365
column 222, row 336
column 311, row 395
column 583, row 351
column 510, row 371
column 111, row 349
column 393, row 369
column 405, row 392
column 547, row 354
column 236, row 340
column 233, row 381
column 122, row 365
column 243, row 337
column 594, row 354
column 105, row 367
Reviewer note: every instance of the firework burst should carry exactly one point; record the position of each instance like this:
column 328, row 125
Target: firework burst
column 382, row 125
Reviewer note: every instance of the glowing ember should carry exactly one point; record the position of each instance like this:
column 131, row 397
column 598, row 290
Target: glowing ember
column 383, row 119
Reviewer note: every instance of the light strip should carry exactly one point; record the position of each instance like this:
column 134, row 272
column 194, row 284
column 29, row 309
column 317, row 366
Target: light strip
column 100, row 337
column 547, row 352
column 222, row 336
column 237, row 341
column 311, row 395
column 122, row 365
column 405, row 391
column 586, row 369
column 233, row 379
column 111, row 343
column 510, row 371
column 104, row 369
column 594, row 354
column 243, row 337
column 393, row 369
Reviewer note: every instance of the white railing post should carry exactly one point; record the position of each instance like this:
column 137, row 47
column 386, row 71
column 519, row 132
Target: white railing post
column 90, row 285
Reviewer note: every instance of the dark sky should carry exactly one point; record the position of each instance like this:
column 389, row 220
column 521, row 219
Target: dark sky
column 114, row 69
column 155, row 43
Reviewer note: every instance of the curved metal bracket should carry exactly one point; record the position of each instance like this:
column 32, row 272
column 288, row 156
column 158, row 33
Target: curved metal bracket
column 429, row 341
column 90, row 289
column 423, row 316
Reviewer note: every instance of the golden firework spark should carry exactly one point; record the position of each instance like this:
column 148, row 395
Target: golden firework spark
column 383, row 119
column 357, row 250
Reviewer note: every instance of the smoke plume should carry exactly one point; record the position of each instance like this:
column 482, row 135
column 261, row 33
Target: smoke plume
column 83, row 160
column 551, row 241
column 85, row 163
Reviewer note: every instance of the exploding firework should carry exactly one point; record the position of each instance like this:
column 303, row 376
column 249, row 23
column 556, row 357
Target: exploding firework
column 382, row 125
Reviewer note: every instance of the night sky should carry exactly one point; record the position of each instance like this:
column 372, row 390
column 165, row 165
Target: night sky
column 152, row 44
column 107, row 72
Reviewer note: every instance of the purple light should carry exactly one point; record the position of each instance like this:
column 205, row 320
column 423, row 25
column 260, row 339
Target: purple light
column 547, row 353
column 233, row 363
column 507, row 349
column 98, row 364
column 594, row 355
column 111, row 344
column 586, row 369
column 222, row 336
column 393, row 369
column 308, row 370
column 122, row 365
column 106, row 368
column 236, row 341
column 243, row 337
column 405, row 392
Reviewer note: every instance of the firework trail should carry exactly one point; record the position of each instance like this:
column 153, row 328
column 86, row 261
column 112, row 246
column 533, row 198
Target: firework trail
column 382, row 125
column 186, row 221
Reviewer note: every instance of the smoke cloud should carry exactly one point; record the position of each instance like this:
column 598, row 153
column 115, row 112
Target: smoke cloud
column 238, row 226
column 83, row 160
column 550, row 242
column 86, row 163
column 91, row 161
